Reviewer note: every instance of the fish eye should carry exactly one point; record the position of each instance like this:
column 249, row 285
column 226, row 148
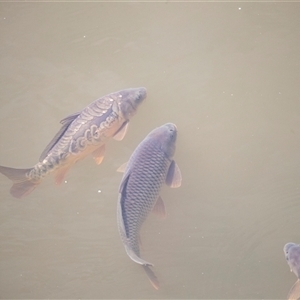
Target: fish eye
column 172, row 133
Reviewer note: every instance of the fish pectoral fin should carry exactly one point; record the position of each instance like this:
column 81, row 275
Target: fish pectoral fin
column 174, row 178
column 65, row 125
column 98, row 154
column 60, row 174
column 294, row 293
column 152, row 277
column 119, row 135
column 159, row 208
column 122, row 168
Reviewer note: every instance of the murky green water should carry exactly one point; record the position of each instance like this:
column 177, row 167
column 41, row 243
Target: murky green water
column 227, row 74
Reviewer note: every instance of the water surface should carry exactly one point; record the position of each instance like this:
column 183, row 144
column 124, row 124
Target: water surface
column 227, row 74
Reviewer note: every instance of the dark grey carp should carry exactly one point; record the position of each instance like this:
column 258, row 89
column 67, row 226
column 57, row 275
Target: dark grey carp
column 292, row 255
column 81, row 134
column 149, row 167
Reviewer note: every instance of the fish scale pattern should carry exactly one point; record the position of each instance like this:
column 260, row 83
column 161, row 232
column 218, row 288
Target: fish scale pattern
column 92, row 127
column 81, row 134
column 90, row 122
column 75, row 137
column 145, row 174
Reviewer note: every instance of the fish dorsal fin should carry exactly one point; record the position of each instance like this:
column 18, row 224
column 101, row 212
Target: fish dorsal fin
column 159, row 208
column 122, row 194
column 123, row 183
column 69, row 119
column 122, row 168
column 56, row 138
column 294, row 293
column 120, row 217
column 119, row 135
column 66, row 123
column 98, row 154
column 174, row 178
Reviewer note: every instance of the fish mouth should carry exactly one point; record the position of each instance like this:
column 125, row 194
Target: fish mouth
column 171, row 126
column 141, row 95
column 134, row 98
column 143, row 92
column 129, row 100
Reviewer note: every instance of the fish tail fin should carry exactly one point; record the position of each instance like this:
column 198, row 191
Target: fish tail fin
column 294, row 293
column 22, row 185
column 152, row 277
column 136, row 258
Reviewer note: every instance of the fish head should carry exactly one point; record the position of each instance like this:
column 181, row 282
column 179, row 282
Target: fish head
column 287, row 247
column 292, row 255
column 128, row 101
column 166, row 136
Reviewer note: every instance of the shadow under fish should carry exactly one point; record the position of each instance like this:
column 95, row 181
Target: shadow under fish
column 149, row 167
column 81, row 134
column 292, row 255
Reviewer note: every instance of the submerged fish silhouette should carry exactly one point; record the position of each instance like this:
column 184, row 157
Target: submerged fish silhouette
column 81, row 134
column 149, row 166
column 292, row 255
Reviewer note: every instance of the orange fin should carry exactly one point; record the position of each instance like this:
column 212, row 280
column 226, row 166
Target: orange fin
column 294, row 293
column 22, row 189
column 22, row 185
column 152, row 277
column 174, row 178
column 122, row 168
column 159, row 208
column 60, row 174
column 98, row 154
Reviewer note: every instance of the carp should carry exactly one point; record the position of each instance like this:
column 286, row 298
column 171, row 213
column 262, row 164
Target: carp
column 81, row 134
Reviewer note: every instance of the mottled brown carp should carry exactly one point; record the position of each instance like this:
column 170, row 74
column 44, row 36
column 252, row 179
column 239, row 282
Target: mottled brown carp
column 81, row 134
column 149, row 167
column 292, row 255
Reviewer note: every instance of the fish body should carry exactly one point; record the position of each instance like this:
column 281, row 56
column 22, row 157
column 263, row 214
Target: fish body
column 149, row 167
column 81, row 134
column 292, row 255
